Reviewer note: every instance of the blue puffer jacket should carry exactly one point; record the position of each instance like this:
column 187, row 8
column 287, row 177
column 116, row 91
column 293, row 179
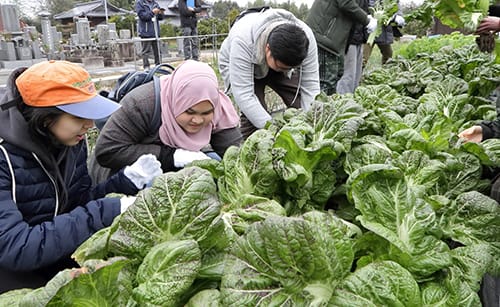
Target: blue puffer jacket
column 144, row 10
column 47, row 207
column 32, row 233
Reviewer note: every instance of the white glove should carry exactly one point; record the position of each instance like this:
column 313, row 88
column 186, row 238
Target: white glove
column 399, row 20
column 183, row 157
column 126, row 202
column 372, row 24
column 143, row 171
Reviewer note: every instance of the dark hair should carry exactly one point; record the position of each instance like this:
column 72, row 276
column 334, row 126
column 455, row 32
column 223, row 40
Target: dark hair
column 39, row 121
column 288, row 44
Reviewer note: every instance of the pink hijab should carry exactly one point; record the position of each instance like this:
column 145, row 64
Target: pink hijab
column 191, row 83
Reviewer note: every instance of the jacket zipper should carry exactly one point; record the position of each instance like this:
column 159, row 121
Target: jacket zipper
column 52, row 180
column 330, row 25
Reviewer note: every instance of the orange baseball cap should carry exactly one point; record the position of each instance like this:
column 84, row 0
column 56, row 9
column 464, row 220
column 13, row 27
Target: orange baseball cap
column 64, row 85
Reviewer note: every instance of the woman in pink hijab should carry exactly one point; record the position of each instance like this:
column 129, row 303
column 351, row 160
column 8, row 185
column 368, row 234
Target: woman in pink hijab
column 196, row 116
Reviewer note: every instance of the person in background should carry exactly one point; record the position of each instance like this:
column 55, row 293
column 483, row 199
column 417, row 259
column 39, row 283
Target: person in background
column 331, row 22
column 353, row 58
column 189, row 23
column 489, row 292
column 48, row 205
column 269, row 48
column 148, row 27
column 385, row 39
column 195, row 116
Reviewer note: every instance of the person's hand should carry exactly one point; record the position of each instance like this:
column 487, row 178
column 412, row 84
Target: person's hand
column 472, row 134
column 156, row 10
column 126, row 202
column 399, row 20
column 489, row 23
column 143, row 171
column 372, row 24
column 183, row 157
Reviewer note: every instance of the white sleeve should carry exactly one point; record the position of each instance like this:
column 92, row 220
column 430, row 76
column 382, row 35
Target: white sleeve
column 241, row 76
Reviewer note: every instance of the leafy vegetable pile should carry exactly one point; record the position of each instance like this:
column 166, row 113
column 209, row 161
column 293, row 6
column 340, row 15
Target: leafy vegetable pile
column 364, row 200
column 383, row 11
column 462, row 14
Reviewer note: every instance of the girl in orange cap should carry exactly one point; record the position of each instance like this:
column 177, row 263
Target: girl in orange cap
column 48, row 205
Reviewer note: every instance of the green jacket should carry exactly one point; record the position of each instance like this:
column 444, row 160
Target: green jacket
column 331, row 22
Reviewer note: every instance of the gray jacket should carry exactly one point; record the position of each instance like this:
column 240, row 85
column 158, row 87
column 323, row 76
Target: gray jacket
column 242, row 58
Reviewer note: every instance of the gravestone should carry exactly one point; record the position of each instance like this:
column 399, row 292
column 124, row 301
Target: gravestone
column 125, row 34
column 102, row 34
column 47, row 35
column 7, row 51
column 83, row 31
column 9, row 19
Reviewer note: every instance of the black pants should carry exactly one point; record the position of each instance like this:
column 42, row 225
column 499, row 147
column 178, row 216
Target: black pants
column 287, row 89
column 148, row 47
column 490, row 291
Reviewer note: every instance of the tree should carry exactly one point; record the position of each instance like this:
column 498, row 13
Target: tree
column 123, row 4
column 59, row 6
column 221, row 9
column 211, row 26
column 124, row 22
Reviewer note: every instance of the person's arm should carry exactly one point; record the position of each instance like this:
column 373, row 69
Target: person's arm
column 160, row 15
column 490, row 23
column 25, row 247
column 184, row 10
column 483, row 131
column 491, row 129
column 143, row 12
column 309, row 80
column 221, row 140
column 121, row 142
column 241, row 77
column 118, row 183
column 354, row 11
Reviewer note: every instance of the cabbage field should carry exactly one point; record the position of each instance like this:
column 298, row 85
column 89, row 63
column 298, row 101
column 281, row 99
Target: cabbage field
column 368, row 199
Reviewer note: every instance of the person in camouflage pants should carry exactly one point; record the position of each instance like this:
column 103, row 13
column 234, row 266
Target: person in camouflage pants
column 331, row 69
column 331, row 22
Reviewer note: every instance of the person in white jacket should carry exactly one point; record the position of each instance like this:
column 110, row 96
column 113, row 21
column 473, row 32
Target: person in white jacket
column 269, row 48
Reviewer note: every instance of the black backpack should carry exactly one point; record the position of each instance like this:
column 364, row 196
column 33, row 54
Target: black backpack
column 133, row 79
column 248, row 11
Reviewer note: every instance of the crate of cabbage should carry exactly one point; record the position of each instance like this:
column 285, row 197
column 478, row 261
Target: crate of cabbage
column 252, row 230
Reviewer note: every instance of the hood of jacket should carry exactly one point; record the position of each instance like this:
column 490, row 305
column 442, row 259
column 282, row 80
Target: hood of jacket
column 13, row 126
column 14, row 130
column 251, row 33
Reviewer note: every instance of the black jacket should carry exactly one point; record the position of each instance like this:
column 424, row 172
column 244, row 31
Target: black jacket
column 359, row 33
column 145, row 26
column 491, row 129
column 188, row 17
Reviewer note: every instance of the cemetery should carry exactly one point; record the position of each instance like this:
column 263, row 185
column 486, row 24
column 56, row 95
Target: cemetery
column 94, row 45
